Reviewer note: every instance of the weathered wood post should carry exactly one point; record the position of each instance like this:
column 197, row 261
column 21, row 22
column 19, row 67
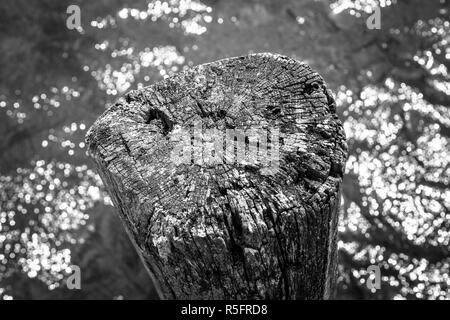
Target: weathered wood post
column 227, row 177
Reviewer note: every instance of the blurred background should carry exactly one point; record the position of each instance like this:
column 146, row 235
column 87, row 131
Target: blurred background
column 392, row 87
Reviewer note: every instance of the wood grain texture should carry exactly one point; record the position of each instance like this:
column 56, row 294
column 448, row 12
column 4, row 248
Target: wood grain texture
column 230, row 230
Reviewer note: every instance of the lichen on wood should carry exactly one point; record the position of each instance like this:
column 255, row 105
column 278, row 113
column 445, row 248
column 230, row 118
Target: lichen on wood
column 230, row 230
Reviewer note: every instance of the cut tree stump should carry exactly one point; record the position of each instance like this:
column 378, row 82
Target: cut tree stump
column 261, row 225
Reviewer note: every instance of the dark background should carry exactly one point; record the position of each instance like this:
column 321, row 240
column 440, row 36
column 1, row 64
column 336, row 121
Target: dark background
column 392, row 88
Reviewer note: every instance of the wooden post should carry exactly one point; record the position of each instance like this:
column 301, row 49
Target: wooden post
column 215, row 219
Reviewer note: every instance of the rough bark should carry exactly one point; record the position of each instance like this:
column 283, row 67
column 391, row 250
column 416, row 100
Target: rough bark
column 231, row 230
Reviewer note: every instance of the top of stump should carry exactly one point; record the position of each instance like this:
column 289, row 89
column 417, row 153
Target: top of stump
column 134, row 139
